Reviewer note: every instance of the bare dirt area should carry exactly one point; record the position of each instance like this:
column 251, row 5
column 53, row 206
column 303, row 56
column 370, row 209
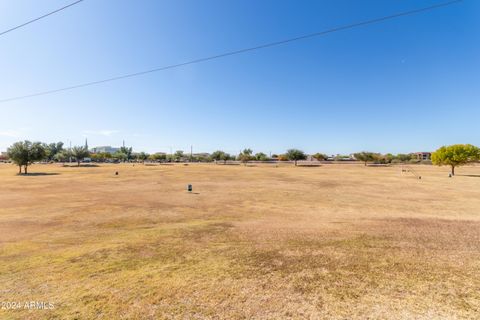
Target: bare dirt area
column 250, row 242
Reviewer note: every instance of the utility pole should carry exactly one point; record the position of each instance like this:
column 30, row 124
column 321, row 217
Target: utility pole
column 191, row 153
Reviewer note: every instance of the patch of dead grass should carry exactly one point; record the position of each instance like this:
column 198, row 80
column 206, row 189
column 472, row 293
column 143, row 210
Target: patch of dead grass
column 332, row 242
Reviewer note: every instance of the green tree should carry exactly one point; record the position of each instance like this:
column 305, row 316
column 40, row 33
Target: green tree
column 52, row 149
column 245, row 156
column 96, row 157
column 103, row 156
column 260, row 156
column 79, row 153
column 295, row 155
column 201, row 158
column 178, row 156
column 142, row 156
column 100, row 157
column 158, row 157
column 455, row 155
column 365, row 156
column 120, row 156
column 127, row 151
column 24, row 153
column 320, row 156
column 63, row 156
column 388, row 158
column 404, row 157
column 220, row 155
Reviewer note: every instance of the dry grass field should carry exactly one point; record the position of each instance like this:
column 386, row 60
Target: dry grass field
column 330, row 242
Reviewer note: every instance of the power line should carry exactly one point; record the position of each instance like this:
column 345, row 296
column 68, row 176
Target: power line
column 41, row 17
column 231, row 53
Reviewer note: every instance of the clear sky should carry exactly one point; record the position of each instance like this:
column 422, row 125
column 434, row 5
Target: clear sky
column 409, row 84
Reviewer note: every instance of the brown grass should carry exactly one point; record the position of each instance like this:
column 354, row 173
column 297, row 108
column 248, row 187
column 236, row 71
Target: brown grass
column 333, row 242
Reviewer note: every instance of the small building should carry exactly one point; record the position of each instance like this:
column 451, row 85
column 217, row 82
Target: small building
column 311, row 158
column 201, row 155
column 423, row 156
column 104, row 149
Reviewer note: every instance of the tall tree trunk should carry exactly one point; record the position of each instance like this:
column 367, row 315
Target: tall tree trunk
column 365, row 163
column 26, row 169
column 295, row 163
column 20, row 169
column 453, row 170
column 78, row 163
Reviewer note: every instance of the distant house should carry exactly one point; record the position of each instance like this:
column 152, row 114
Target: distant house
column 201, row 155
column 104, row 149
column 311, row 158
column 423, row 156
column 3, row 156
column 340, row 157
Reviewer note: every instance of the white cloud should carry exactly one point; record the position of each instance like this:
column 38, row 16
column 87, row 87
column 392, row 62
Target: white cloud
column 106, row 133
column 10, row 133
column 18, row 133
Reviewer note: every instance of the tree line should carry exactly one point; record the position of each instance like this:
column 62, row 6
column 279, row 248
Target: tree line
column 24, row 153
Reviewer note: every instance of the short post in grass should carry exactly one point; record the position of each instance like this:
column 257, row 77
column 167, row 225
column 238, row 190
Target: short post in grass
column 189, row 188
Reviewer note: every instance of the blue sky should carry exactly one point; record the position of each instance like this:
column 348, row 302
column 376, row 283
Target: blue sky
column 403, row 85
